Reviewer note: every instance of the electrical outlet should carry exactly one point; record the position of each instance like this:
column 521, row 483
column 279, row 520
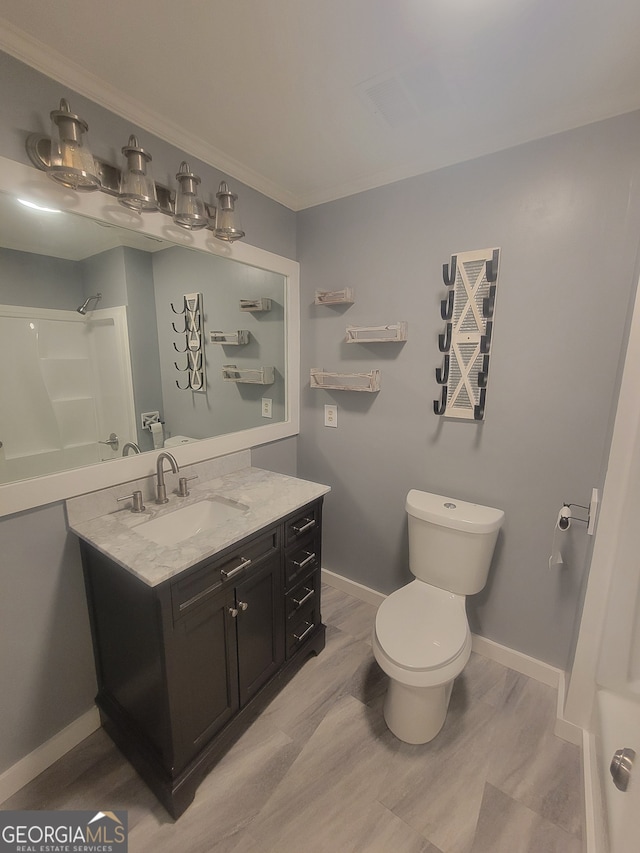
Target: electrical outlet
column 266, row 408
column 330, row 416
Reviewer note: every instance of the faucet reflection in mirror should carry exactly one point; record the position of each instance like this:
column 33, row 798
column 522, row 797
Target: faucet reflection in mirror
column 67, row 159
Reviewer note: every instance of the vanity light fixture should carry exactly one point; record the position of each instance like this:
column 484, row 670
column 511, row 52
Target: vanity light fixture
column 71, row 162
column 66, row 158
column 190, row 211
column 228, row 226
column 137, row 188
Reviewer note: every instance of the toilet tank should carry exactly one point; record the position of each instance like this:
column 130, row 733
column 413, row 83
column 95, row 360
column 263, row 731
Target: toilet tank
column 451, row 542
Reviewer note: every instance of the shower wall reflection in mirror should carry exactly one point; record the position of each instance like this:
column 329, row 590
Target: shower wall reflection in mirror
column 73, row 386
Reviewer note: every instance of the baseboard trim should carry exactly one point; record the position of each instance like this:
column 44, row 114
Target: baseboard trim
column 526, row 665
column 357, row 590
column 532, row 667
column 26, row 770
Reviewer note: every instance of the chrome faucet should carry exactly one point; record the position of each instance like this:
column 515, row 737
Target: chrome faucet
column 130, row 445
column 162, row 489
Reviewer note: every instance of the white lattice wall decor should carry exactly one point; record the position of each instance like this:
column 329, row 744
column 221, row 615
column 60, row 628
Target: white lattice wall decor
column 468, row 311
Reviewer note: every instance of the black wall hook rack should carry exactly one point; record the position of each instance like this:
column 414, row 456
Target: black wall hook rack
column 449, row 271
column 468, row 311
column 484, row 373
column 485, row 340
column 489, row 302
column 440, row 406
column 478, row 409
column 442, row 373
column 446, row 306
column 492, row 266
column 444, row 340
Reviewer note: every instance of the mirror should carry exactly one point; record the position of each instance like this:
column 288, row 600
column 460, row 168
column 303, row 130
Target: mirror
column 143, row 366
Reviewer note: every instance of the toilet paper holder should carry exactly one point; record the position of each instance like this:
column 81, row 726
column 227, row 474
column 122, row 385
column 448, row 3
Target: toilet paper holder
column 591, row 510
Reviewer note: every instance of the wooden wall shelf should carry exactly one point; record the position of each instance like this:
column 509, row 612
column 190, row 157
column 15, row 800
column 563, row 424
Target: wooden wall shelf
column 345, row 381
column 334, row 297
column 377, row 334
column 250, row 375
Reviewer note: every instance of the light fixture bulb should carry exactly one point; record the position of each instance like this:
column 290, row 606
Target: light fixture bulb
column 71, row 162
column 137, row 187
column 190, row 211
column 228, row 226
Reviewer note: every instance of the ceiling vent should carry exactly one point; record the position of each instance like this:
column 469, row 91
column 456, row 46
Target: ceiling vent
column 391, row 101
column 406, row 95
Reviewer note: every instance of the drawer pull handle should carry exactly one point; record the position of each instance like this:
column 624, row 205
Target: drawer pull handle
column 300, row 638
column 242, row 605
column 300, row 601
column 233, row 612
column 307, row 524
column 229, row 573
column 308, row 559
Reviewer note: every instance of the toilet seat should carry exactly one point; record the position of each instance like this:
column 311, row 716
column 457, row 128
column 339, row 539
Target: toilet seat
column 421, row 627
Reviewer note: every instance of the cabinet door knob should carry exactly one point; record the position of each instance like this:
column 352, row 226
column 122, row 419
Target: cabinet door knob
column 233, row 612
column 243, row 605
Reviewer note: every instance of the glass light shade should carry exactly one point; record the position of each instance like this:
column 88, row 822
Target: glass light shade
column 71, row 162
column 190, row 211
column 137, row 187
column 228, row 225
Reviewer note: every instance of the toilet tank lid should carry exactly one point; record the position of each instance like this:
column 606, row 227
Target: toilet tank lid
column 450, row 512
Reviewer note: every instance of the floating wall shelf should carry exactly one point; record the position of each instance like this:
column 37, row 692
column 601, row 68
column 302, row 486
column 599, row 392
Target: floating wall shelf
column 377, row 334
column 334, row 297
column 345, row 381
column 250, row 375
column 255, row 305
column 236, row 339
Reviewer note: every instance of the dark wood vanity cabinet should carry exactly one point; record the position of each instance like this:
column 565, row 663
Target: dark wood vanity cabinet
column 184, row 666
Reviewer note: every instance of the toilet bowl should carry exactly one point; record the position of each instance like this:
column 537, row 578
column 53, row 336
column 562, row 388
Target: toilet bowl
column 421, row 640
column 421, row 637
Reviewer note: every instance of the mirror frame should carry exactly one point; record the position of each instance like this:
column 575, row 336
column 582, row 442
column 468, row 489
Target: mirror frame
column 26, row 182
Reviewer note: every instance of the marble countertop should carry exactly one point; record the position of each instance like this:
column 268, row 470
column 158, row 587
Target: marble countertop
column 265, row 497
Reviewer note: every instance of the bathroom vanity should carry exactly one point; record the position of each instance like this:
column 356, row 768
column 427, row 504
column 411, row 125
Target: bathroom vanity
column 192, row 639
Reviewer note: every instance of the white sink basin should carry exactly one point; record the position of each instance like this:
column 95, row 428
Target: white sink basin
column 190, row 520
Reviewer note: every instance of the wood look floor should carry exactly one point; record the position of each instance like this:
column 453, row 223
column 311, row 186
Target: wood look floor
column 319, row 772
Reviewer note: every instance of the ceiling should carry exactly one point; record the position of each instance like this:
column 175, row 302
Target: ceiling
column 312, row 100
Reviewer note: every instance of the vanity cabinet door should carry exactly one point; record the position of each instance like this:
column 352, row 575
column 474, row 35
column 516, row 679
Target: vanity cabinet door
column 207, row 688
column 259, row 602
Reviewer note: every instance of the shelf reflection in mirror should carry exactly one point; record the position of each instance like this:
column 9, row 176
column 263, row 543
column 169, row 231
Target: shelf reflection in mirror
column 69, row 380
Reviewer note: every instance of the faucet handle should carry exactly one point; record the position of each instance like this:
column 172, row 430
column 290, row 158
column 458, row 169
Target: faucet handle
column 137, row 505
column 183, row 491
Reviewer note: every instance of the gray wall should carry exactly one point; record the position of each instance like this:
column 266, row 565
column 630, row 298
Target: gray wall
column 565, row 212
column 225, row 406
column 39, row 281
column 46, row 665
column 46, row 669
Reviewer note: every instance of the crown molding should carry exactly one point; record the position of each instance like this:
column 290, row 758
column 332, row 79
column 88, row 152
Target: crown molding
column 48, row 61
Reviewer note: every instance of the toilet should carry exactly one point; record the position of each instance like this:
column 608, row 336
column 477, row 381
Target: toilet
column 421, row 637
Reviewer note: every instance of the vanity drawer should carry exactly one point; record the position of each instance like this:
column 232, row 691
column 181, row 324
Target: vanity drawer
column 306, row 593
column 300, row 562
column 302, row 626
column 198, row 585
column 305, row 523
